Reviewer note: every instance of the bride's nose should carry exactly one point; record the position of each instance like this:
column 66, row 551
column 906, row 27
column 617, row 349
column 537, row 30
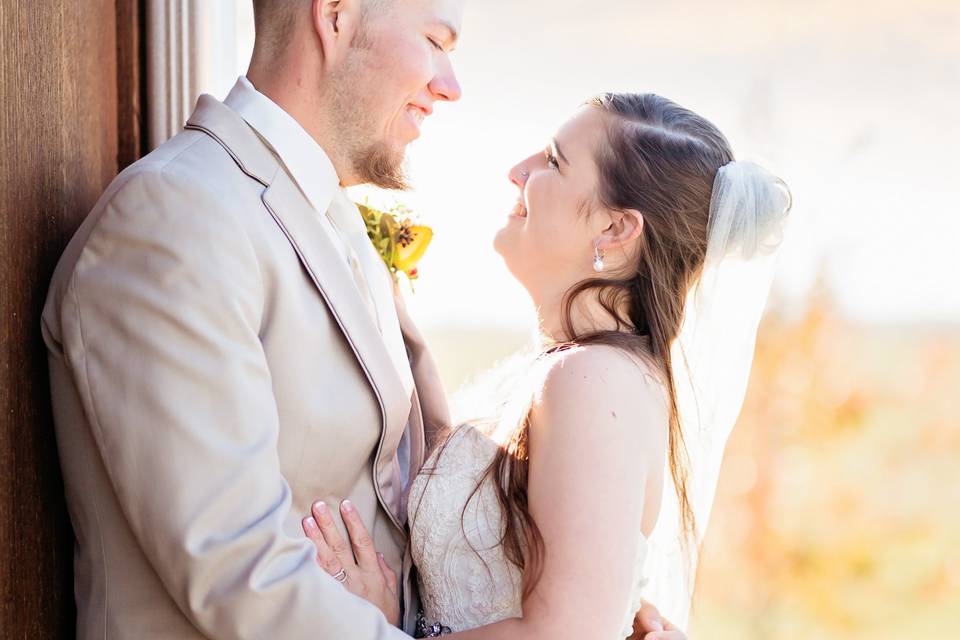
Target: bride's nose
column 518, row 175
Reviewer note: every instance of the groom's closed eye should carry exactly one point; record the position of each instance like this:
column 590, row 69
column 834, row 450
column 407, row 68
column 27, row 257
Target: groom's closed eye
column 445, row 37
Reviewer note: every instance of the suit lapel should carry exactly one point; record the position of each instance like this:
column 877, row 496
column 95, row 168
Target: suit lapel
column 321, row 260
column 333, row 280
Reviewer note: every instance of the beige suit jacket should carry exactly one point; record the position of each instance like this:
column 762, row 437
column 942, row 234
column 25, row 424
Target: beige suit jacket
column 214, row 371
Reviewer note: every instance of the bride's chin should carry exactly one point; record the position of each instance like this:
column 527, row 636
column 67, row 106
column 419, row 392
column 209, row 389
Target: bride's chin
column 501, row 246
column 508, row 262
column 499, row 242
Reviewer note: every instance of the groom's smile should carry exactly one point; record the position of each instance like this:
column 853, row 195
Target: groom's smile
column 398, row 68
column 417, row 114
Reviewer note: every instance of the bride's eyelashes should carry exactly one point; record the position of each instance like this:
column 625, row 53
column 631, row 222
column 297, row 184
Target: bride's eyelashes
column 551, row 159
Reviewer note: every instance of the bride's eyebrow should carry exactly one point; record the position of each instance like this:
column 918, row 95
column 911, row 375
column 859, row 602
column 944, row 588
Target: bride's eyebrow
column 559, row 152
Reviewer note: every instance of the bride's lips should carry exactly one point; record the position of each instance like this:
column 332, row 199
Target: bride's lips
column 518, row 211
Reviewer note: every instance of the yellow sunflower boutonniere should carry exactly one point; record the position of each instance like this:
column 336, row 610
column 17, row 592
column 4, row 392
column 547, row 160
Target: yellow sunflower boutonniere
column 399, row 241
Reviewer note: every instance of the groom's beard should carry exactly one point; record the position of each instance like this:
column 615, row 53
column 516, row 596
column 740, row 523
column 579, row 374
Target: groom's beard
column 373, row 161
column 380, row 166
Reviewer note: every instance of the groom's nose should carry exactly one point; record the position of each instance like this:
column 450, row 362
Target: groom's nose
column 445, row 85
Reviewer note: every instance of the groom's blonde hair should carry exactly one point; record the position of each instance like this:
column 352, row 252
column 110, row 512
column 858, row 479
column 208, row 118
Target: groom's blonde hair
column 276, row 20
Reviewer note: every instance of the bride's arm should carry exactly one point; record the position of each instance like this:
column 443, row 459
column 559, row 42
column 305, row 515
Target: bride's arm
column 598, row 439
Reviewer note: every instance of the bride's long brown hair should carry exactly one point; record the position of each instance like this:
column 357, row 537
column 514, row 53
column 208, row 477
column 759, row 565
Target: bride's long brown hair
column 661, row 160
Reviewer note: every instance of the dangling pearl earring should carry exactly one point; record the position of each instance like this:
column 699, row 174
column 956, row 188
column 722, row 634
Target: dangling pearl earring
column 597, row 260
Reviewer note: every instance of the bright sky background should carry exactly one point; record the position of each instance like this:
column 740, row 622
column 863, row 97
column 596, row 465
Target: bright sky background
column 855, row 104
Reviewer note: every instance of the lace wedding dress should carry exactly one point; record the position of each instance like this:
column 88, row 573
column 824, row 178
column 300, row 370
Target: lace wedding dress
column 466, row 581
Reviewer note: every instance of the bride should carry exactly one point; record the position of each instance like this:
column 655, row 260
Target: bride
column 616, row 222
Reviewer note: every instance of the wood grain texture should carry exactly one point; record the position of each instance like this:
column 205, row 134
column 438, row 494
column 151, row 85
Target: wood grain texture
column 58, row 150
column 131, row 81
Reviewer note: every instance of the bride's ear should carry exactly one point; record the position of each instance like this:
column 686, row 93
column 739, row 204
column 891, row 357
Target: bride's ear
column 624, row 229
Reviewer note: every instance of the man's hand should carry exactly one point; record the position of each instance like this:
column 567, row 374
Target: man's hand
column 650, row 625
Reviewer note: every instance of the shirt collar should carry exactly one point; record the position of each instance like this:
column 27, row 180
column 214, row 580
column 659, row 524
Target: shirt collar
column 305, row 159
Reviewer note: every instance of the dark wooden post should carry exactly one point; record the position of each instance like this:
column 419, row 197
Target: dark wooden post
column 65, row 129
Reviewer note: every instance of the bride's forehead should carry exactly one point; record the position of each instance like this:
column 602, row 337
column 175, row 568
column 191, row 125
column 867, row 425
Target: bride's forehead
column 582, row 131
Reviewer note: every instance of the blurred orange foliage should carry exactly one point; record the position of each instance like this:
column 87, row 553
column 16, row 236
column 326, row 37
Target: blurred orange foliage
column 836, row 514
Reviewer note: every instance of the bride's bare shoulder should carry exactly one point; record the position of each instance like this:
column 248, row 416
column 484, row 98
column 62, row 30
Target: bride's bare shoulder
column 600, row 386
column 603, row 365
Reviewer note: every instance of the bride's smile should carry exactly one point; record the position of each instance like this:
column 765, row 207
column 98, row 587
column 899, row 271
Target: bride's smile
column 557, row 229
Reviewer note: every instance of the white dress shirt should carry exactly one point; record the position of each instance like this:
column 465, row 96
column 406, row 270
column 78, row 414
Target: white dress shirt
column 315, row 175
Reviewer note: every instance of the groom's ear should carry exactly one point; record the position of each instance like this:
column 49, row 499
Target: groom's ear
column 336, row 23
column 624, row 229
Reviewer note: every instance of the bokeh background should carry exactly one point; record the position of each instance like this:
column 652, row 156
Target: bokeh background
column 836, row 515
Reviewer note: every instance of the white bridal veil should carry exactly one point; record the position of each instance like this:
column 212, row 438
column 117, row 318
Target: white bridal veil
column 712, row 359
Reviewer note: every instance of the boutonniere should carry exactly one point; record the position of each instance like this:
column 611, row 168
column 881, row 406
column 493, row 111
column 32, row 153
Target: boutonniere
column 399, row 241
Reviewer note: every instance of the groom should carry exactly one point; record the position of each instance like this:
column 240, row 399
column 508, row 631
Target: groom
column 224, row 345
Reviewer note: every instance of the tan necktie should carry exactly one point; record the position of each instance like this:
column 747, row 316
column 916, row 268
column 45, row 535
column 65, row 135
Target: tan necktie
column 373, row 280
column 376, row 287
column 353, row 232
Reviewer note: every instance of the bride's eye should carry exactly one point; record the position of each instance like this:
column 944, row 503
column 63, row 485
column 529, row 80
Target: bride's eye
column 551, row 159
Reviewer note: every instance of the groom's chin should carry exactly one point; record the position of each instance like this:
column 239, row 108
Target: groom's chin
column 384, row 166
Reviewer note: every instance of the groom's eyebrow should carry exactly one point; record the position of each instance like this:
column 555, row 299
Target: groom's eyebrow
column 454, row 35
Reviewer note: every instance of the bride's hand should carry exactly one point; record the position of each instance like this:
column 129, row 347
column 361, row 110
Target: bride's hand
column 368, row 576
